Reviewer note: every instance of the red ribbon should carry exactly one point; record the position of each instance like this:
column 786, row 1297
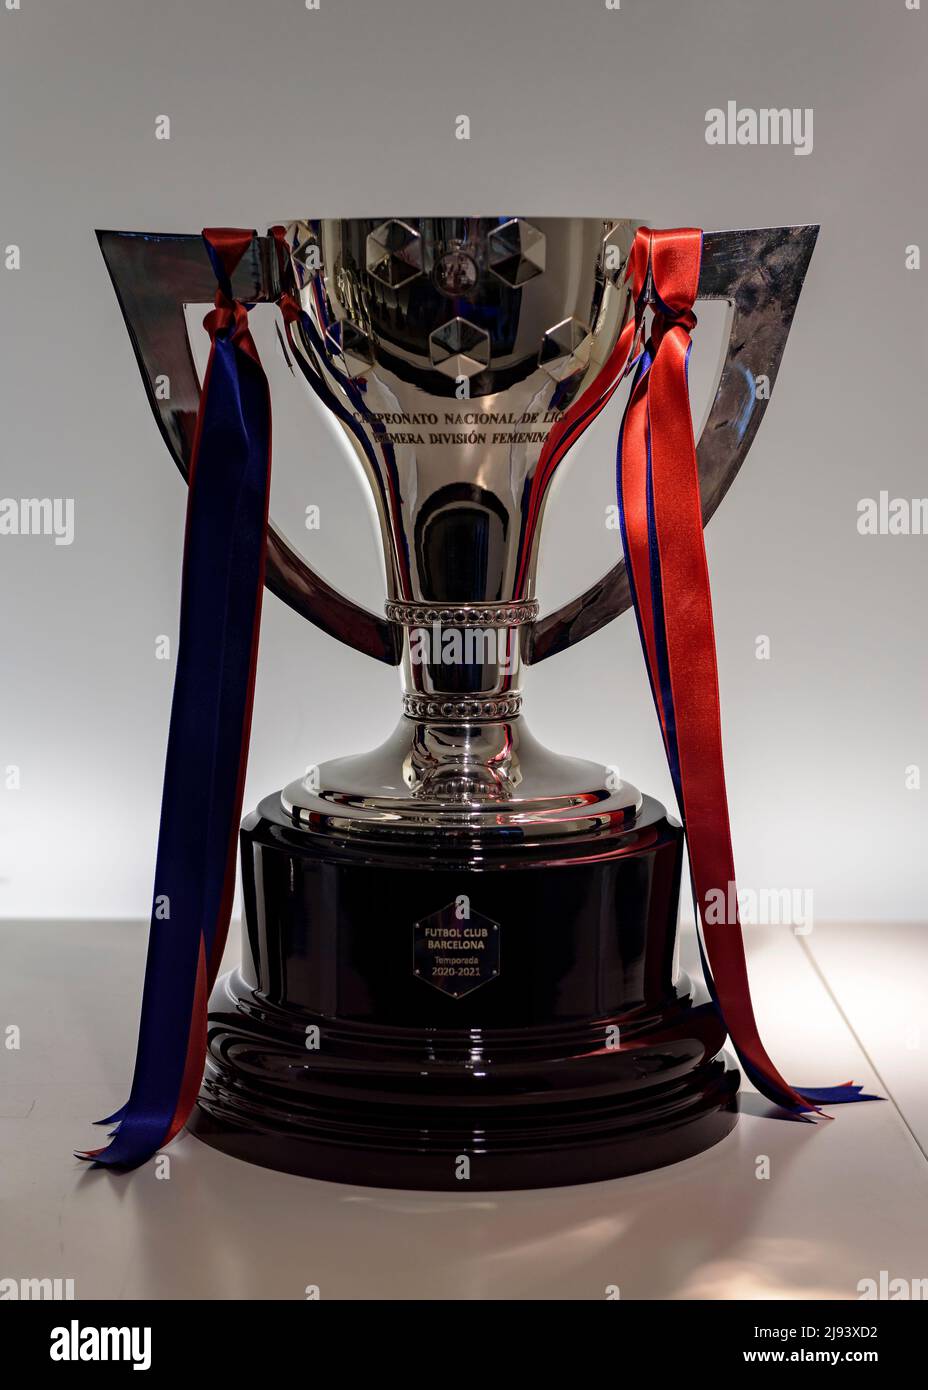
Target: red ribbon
column 665, row 553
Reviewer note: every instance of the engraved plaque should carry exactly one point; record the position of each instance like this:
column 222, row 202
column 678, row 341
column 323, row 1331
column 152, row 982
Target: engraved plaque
column 456, row 949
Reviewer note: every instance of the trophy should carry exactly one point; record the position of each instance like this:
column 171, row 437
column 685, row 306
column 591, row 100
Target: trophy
column 458, row 955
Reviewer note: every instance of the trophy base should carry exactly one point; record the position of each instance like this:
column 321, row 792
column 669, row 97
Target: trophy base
column 453, row 1018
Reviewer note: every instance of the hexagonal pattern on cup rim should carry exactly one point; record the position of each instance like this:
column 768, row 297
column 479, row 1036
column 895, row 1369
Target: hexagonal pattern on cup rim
column 465, row 350
column 353, row 343
column 529, row 252
column 300, row 253
column 570, row 344
column 397, row 246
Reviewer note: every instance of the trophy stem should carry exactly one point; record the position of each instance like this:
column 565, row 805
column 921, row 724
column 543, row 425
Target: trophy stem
column 461, row 761
column 462, row 661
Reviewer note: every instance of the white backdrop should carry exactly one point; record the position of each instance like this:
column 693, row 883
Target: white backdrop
column 278, row 111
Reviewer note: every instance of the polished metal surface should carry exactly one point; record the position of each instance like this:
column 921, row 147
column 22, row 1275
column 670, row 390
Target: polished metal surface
column 473, row 781
column 760, row 274
column 463, row 615
column 461, row 708
column 451, row 350
column 155, row 277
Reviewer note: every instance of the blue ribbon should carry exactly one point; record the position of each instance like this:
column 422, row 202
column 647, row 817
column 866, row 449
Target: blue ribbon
column 222, row 585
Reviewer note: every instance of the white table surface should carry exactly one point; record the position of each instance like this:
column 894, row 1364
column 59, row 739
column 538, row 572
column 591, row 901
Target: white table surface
column 844, row 1200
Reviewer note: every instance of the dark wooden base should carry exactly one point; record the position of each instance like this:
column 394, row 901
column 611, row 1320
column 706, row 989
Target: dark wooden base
column 562, row 1051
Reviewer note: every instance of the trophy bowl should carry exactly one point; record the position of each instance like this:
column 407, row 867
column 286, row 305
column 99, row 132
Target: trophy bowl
column 459, row 949
column 462, row 357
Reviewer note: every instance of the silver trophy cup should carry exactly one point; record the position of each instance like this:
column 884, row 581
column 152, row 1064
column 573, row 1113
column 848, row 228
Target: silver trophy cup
column 467, row 918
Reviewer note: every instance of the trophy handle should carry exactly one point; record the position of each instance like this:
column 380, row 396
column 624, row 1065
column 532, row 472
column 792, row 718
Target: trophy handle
column 155, row 277
column 760, row 273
